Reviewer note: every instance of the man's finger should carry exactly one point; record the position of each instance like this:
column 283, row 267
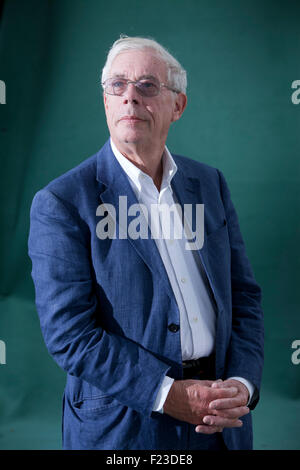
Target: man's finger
column 232, row 412
column 204, row 429
column 207, row 383
column 222, row 393
column 220, row 382
column 216, row 383
column 224, row 403
column 220, row 421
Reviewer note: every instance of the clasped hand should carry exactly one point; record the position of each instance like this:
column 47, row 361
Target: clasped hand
column 210, row 405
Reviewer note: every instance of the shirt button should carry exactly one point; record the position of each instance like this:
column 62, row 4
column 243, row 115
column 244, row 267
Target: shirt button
column 195, row 319
column 183, row 279
column 173, row 327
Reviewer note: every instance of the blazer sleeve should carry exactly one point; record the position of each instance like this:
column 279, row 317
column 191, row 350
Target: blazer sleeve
column 69, row 309
column 245, row 355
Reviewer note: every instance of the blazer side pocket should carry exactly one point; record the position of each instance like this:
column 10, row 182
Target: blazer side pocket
column 94, row 404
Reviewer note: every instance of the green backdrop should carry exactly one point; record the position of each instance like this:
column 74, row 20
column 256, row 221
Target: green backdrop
column 241, row 58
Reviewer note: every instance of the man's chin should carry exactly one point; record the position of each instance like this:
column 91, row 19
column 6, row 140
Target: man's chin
column 131, row 138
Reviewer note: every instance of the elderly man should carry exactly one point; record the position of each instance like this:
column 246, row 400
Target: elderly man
column 163, row 344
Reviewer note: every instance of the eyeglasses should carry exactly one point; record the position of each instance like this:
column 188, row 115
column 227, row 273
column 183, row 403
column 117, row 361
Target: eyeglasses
column 145, row 87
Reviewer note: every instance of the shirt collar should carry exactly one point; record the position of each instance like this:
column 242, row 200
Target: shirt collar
column 137, row 176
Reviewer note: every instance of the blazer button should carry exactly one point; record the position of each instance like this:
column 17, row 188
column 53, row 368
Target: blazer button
column 172, row 327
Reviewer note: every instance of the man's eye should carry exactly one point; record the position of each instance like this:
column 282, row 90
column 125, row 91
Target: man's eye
column 118, row 83
column 147, row 84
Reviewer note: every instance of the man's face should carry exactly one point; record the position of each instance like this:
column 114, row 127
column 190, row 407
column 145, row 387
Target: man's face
column 136, row 119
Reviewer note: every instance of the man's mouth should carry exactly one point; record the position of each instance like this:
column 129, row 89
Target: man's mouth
column 131, row 118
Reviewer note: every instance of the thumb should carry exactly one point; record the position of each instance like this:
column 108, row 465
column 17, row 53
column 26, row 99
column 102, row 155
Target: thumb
column 216, row 383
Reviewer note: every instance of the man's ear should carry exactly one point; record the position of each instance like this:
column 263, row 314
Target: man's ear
column 104, row 100
column 179, row 106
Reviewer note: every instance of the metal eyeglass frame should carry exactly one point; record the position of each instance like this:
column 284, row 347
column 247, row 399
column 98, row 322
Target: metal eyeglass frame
column 161, row 85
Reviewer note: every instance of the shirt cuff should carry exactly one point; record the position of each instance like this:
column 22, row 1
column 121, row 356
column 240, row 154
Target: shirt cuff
column 248, row 384
column 162, row 394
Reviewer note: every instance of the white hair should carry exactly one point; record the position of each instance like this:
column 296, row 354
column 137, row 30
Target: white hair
column 176, row 75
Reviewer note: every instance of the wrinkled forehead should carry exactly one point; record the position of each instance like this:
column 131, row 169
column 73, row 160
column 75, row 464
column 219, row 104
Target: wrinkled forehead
column 134, row 64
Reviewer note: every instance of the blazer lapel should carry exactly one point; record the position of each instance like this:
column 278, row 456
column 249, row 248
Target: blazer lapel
column 188, row 191
column 115, row 184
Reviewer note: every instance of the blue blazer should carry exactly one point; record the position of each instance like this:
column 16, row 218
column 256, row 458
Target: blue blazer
column 105, row 306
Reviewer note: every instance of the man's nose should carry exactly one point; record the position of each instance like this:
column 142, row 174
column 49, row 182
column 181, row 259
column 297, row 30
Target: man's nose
column 131, row 95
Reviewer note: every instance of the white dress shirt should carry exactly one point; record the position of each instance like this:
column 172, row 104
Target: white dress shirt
column 184, row 267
